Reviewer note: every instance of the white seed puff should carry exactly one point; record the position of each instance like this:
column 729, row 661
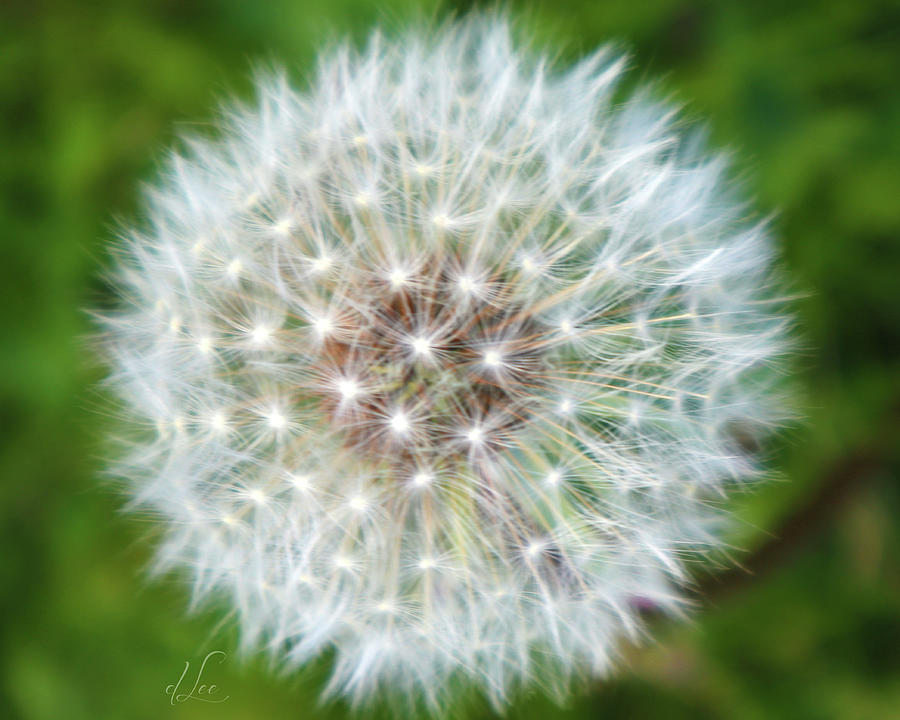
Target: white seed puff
column 442, row 362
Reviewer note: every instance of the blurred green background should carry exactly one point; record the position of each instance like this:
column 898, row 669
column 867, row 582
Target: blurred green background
column 807, row 95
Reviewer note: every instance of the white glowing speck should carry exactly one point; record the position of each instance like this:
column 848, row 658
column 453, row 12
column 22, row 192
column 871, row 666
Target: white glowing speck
column 421, row 346
column 175, row 324
column 536, row 547
column 426, row 563
column 359, row 503
column 257, row 496
column 492, row 358
column 441, row 220
column 553, row 477
column 260, row 334
column 321, row 263
column 398, row 278
column 276, row 420
column 474, row 435
column 204, row 345
column 282, row 227
column 348, row 389
column 323, row 325
column 466, row 284
column 218, row 422
column 421, row 479
column 301, row 482
column 234, row 268
column 399, row 422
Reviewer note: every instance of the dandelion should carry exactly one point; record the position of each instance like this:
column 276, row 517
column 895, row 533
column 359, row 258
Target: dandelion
column 443, row 363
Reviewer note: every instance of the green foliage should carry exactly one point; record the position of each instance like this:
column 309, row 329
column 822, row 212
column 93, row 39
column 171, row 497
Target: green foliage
column 805, row 94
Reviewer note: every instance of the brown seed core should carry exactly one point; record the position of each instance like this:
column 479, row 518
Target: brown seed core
column 476, row 365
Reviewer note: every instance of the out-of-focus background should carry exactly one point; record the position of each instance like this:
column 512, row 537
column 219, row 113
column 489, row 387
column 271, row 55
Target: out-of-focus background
column 805, row 93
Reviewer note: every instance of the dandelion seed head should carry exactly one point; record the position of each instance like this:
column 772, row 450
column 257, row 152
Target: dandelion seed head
column 452, row 353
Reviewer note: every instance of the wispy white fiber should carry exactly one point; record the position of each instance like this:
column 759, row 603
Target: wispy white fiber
column 443, row 362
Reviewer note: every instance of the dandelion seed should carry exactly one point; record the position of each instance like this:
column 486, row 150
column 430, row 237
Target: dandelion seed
column 323, row 325
column 283, row 227
column 257, row 496
column 234, row 268
column 421, row 346
column 397, row 278
column 218, row 422
column 260, row 335
column 321, row 263
column 348, row 389
column 276, row 419
column 359, row 503
column 493, row 358
column 204, row 345
column 399, row 422
column 475, row 435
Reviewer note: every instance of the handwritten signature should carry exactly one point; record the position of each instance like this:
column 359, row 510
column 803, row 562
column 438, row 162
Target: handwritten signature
column 200, row 691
